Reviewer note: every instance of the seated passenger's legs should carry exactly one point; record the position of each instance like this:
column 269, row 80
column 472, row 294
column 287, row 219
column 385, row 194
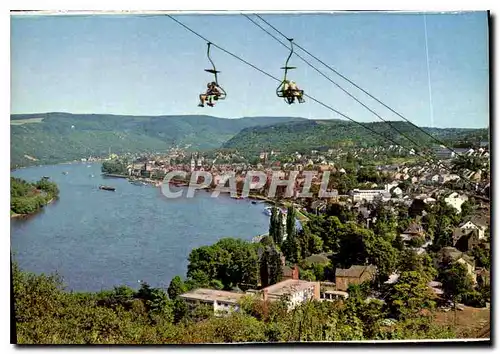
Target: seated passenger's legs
column 202, row 100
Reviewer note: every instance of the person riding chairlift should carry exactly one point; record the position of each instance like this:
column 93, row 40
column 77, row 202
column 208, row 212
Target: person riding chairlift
column 212, row 94
column 292, row 91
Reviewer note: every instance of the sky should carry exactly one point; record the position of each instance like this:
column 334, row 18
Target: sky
column 137, row 65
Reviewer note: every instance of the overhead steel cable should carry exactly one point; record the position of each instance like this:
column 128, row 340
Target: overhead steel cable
column 276, row 79
column 361, row 89
column 308, row 96
column 429, row 158
column 335, row 83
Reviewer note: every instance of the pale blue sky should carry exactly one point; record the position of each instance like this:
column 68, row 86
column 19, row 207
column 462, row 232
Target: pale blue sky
column 152, row 66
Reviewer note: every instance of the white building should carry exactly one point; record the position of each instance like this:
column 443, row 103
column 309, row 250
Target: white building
column 474, row 225
column 371, row 194
column 455, row 200
column 397, row 191
column 443, row 153
column 295, row 292
column 366, row 194
column 334, row 295
column 448, row 177
column 223, row 302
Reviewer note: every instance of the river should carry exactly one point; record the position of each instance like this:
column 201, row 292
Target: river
column 98, row 239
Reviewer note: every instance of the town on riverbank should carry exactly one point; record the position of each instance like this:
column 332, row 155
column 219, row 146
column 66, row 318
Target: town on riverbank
column 406, row 223
column 294, row 213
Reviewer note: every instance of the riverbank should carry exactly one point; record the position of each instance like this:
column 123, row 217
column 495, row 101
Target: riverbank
column 300, row 216
column 12, row 169
column 27, row 198
column 14, row 215
column 113, row 175
column 138, row 234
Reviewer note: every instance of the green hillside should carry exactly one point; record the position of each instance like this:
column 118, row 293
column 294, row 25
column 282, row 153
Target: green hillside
column 318, row 134
column 57, row 137
column 48, row 138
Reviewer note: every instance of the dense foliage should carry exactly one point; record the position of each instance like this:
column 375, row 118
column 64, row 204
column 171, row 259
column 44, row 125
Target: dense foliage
column 318, row 134
column 404, row 309
column 27, row 198
column 233, row 262
column 46, row 314
column 114, row 167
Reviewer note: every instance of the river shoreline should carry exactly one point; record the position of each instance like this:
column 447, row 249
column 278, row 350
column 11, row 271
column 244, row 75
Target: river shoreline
column 15, row 216
column 12, row 169
column 100, row 240
column 158, row 183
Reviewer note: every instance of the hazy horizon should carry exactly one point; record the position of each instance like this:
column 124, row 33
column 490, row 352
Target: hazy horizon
column 261, row 116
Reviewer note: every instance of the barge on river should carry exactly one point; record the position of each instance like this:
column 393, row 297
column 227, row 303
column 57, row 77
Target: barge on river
column 107, row 188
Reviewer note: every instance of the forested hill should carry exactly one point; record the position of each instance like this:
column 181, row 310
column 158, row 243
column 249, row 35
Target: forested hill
column 48, row 138
column 57, row 137
column 317, row 134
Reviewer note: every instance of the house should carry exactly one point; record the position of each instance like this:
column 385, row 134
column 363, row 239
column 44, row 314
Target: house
column 222, row 301
column 413, row 230
column 356, row 274
column 455, row 200
column 451, row 254
column 318, row 206
column 475, row 223
column 367, row 194
column 465, row 239
column 333, row 295
column 397, row 192
column 434, row 178
column 290, row 272
column 443, row 153
column 295, row 292
column 448, row 177
column 483, row 276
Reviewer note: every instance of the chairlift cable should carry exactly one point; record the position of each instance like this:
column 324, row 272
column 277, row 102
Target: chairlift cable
column 335, row 83
column 306, row 95
column 363, row 90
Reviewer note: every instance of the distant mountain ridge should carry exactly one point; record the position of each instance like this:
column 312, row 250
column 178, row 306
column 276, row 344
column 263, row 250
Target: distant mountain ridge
column 46, row 138
column 57, row 137
column 317, row 134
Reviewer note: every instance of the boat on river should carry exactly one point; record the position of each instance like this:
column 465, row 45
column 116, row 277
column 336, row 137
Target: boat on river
column 138, row 183
column 107, row 188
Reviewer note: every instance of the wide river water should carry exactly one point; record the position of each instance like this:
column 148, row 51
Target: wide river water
column 98, row 239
